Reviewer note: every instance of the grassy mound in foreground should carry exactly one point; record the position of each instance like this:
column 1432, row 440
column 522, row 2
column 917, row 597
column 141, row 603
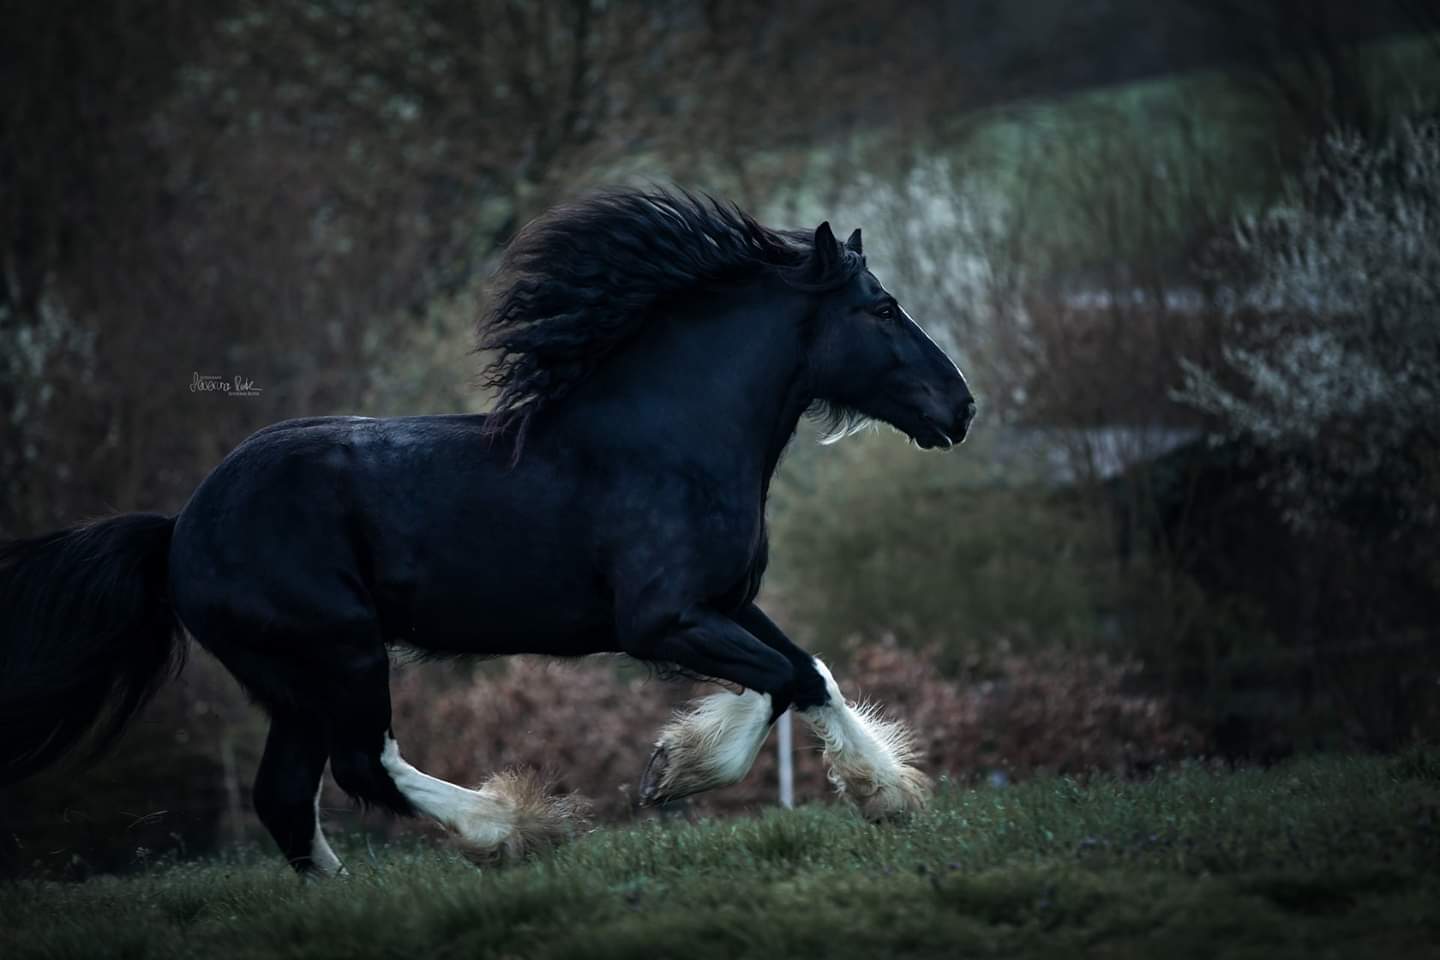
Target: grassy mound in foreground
column 1322, row 857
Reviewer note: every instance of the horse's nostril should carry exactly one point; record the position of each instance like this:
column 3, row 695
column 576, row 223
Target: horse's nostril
column 970, row 411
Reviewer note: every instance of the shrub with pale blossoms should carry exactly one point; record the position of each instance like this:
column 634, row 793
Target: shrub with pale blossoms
column 1333, row 362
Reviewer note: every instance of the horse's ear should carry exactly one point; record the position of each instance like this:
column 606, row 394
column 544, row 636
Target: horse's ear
column 827, row 248
column 853, row 244
column 824, row 236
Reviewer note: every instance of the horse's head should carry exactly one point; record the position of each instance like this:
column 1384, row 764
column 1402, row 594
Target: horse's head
column 868, row 356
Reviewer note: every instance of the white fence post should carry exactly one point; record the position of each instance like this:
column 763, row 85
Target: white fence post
column 787, row 768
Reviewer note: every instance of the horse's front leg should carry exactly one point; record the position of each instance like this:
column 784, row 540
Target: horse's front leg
column 714, row 742
column 871, row 760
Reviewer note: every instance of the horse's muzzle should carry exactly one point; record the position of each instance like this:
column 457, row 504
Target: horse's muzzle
column 967, row 417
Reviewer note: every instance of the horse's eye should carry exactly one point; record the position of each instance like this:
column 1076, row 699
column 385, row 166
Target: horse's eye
column 886, row 312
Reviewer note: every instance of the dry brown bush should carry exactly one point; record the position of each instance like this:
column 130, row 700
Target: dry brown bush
column 1050, row 712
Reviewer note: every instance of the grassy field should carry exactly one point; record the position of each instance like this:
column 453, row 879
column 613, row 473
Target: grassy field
column 1319, row 858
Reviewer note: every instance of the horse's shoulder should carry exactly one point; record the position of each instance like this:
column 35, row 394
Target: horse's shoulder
column 705, row 529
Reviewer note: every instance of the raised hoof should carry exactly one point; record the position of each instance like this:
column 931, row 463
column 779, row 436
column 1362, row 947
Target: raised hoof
column 896, row 799
column 654, row 775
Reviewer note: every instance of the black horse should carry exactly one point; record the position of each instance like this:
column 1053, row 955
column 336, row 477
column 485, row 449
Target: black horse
column 654, row 353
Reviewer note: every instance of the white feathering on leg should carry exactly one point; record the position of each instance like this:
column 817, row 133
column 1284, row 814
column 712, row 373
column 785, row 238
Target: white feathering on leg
column 509, row 816
column 322, row 858
column 871, row 759
column 712, row 744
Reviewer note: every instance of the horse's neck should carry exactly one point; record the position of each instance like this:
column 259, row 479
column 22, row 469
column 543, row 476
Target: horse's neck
column 727, row 376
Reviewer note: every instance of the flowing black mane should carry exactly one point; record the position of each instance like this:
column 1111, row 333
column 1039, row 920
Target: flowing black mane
column 587, row 277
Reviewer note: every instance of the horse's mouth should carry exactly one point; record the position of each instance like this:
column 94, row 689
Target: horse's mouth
column 935, row 437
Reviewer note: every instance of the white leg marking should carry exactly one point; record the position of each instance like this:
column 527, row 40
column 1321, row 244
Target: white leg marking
column 509, row 816
column 712, row 744
column 321, row 856
column 481, row 820
column 871, row 760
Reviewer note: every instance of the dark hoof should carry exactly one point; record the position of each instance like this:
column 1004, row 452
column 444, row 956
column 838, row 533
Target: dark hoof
column 653, row 776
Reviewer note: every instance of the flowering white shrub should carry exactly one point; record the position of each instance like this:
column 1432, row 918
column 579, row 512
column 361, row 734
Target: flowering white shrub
column 1333, row 364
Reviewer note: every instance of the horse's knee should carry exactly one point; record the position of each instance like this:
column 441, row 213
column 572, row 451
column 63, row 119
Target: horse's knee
column 809, row 687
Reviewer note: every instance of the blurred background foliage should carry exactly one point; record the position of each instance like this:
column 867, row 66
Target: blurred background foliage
column 1186, row 251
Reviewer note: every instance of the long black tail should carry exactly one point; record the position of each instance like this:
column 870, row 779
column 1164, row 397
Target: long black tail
column 86, row 636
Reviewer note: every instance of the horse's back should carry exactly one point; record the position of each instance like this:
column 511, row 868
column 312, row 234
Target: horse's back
column 418, row 529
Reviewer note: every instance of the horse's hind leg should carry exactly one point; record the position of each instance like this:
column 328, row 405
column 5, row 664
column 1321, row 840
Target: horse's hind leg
column 509, row 816
column 287, row 785
column 306, row 681
column 331, row 698
column 287, row 791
